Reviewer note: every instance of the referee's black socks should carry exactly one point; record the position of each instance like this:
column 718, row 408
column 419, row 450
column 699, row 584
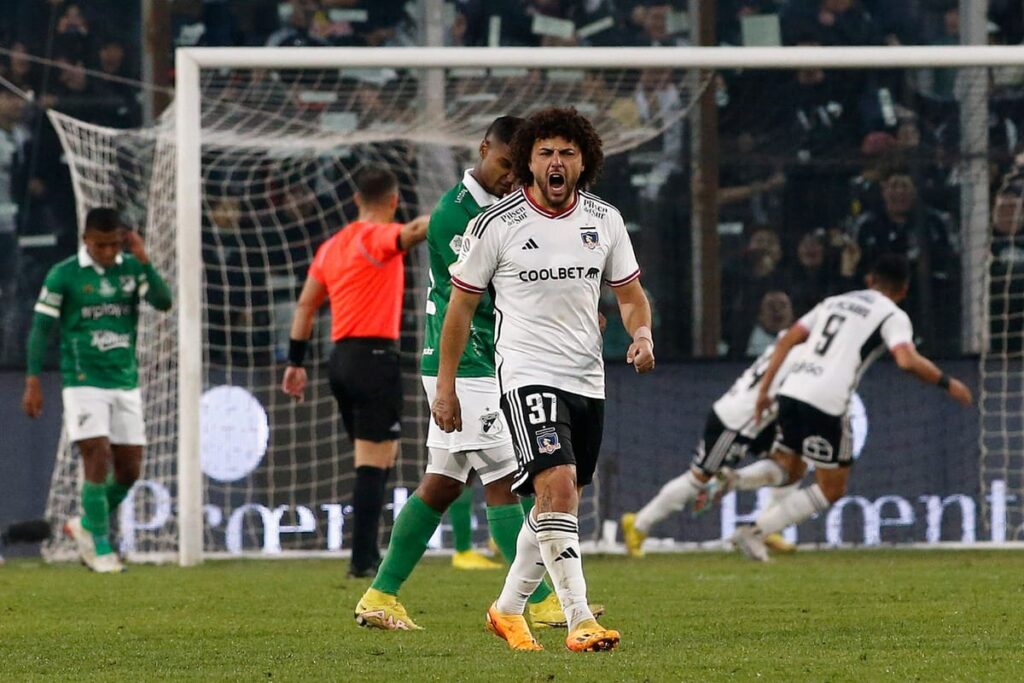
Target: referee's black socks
column 367, row 504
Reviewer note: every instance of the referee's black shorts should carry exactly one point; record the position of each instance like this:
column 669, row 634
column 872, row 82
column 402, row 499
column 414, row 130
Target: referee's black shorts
column 551, row 427
column 366, row 381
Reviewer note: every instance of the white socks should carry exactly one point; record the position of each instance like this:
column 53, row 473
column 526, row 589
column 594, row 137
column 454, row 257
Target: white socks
column 792, row 509
column 672, row 497
column 764, row 472
column 559, row 540
column 526, row 572
column 780, row 493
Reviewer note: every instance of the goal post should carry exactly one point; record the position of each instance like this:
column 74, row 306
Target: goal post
column 268, row 129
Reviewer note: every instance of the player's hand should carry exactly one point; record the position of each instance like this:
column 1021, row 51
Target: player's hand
column 447, row 411
column 641, row 355
column 959, row 391
column 602, row 322
column 294, row 382
column 763, row 405
column 134, row 245
column 32, row 399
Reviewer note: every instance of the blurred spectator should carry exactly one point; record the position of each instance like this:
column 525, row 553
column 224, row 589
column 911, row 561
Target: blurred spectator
column 656, row 101
column 122, row 96
column 877, row 149
column 745, row 281
column 19, row 70
column 73, row 39
column 828, row 22
column 1006, row 282
column 13, row 140
column 297, row 31
column 809, row 279
column 816, row 127
column 909, row 227
column 774, row 315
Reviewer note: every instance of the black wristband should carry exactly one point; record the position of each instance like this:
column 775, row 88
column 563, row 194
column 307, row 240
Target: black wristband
column 943, row 382
column 297, row 352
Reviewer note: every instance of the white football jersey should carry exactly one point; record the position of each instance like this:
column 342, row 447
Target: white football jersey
column 736, row 407
column 546, row 271
column 847, row 333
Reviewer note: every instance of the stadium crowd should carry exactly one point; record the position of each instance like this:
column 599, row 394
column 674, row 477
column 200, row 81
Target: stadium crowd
column 842, row 167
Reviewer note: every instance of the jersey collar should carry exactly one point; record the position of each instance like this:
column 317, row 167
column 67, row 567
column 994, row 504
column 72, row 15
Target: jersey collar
column 557, row 214
column 85, row 261
column 481, row 196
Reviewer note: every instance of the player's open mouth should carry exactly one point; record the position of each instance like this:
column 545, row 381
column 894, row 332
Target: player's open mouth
column 556, row 181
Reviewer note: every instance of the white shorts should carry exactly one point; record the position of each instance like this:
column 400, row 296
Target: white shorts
column 484, row 445
column 91, row 412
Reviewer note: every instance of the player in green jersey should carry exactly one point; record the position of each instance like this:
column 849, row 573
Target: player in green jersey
column 93, row 299
column 487, row 449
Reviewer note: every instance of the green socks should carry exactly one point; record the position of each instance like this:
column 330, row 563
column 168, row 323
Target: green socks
column 415, row 525
column 505, row 522
column 115, row 492
column 460, row 513
column 96, row 515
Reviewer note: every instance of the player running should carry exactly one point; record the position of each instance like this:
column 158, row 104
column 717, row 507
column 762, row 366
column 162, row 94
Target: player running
column 839, row 339
column 545, row 251
column 485, row 446
column 93, row 299
column 731, row 431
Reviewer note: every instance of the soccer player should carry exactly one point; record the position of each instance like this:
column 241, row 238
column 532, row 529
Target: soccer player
column 730, row 432
column 93, row 299
column 545, row 250
column 485, row 446
column 839, row 339
column 360, row 270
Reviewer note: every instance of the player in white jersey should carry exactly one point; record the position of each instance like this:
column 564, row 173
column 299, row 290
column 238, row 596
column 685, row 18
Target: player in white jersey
column 730, row 432
column 839, row 339
column 545, row 251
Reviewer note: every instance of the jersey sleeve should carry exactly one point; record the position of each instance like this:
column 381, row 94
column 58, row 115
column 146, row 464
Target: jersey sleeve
column 51, row 296
column 381, row 242
column 620, row 267
column 897, row 330
column 478, row 259
column 444, row 234
column 809, row 318
column 316, row 268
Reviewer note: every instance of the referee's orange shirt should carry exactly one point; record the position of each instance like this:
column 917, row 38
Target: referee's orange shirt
column 361, row 268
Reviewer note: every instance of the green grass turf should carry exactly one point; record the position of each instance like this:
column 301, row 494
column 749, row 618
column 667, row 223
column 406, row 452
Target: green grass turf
column 816, row 616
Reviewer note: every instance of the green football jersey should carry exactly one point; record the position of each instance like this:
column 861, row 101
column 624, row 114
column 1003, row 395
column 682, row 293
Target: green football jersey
column 448, row 222
column 98, row 313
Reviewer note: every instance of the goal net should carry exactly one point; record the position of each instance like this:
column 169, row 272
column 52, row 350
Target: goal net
column 276, row 149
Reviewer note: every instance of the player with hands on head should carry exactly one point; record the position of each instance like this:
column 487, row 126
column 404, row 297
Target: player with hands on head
column 93, row 298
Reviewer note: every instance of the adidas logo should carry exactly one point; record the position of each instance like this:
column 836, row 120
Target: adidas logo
column 567, row 554
column 530, row 244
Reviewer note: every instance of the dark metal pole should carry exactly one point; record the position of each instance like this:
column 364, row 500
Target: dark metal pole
column 707, row 272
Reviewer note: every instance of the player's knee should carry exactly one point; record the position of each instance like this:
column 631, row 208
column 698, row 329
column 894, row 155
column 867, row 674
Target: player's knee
column 500, row 492
column 556, row 489
column 439, row 492
column 833, row 489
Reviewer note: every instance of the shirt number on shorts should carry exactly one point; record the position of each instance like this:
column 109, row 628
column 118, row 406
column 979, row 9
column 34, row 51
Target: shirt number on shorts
column 535, row 402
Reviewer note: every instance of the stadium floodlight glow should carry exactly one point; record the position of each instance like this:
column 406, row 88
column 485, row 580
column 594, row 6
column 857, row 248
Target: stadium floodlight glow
column 249, row 125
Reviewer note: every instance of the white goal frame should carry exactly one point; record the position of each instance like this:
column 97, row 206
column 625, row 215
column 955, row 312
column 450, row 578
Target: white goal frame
column 189, row 62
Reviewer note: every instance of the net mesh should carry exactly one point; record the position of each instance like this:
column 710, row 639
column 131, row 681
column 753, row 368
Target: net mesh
column 279, row 153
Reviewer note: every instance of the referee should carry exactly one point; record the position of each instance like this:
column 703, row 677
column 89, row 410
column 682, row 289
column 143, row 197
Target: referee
column 360, row 270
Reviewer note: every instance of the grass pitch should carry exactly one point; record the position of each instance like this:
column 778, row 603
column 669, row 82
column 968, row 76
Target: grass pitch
column 816, row 616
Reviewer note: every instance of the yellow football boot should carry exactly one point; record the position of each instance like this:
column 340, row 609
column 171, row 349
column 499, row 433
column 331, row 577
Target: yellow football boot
column 380, row 610
column 512, row 628
column 631, row 536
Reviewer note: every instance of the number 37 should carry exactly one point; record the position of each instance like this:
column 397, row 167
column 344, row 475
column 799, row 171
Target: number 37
column 536, row 404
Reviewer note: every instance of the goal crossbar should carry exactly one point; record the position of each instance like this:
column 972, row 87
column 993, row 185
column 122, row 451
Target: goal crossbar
column 607, row 57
